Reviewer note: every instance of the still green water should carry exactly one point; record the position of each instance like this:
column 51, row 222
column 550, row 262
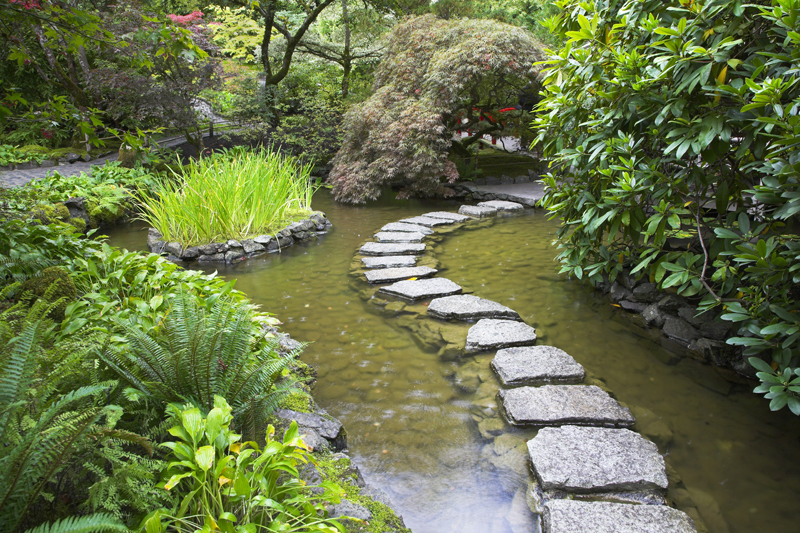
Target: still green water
column 411, row 417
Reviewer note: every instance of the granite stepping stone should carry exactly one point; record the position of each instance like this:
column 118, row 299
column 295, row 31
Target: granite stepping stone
column 469, row 307
column 422, row 289
column 492, row 334
column 427, row 221
column 502, row 205
column 388, row 248
column 571, row 516
column 478, row 212
column 455, row 217
column 390, row 261
column 558, row 405
column 390, row 275
column 402, row 226
column 534, row 365
column 399, row 236
column 586, row 460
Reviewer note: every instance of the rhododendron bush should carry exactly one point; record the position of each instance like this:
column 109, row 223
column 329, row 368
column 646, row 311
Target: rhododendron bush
column 439, row 76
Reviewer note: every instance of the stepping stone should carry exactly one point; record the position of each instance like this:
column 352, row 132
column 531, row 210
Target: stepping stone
column 391, row 261
column 399, row 236
column 455, row 217
column 427, row 221
column 478, row 212
column 571, row 516
column 502, row 205
column 386, row 248
column 587, row 460
column 491, row 334
column 468, row 307
column 389, row 275
column 533, row 365
column 412, row 228
column 422, row 289
column 558, row 405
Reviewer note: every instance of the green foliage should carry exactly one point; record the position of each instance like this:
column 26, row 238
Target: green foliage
column 232, row 195
column 96, row 523
column 437, row 76
column 199, row 350
column 236, row 34
column 11, row 155
column 55, row 287
column 671, row 128
column 226, row 484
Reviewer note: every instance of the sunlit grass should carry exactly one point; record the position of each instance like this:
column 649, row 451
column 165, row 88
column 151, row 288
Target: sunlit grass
column 232, row 195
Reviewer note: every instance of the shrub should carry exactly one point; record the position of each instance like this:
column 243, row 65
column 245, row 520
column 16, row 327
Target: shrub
column 232, row 195
column 672, row 131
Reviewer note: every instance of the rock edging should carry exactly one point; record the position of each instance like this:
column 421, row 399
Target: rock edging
column 233, row 251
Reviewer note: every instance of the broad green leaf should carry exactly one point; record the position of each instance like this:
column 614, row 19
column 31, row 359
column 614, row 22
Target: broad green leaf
column 204, row 457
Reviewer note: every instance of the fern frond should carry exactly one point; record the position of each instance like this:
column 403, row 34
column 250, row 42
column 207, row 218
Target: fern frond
column 96, row 523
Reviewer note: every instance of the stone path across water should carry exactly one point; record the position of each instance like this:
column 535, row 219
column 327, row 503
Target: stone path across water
column 582, row 450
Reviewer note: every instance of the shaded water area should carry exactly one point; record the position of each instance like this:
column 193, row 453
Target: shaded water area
column 412, row 418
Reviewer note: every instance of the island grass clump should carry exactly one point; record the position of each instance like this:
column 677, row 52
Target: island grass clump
column 231, row 195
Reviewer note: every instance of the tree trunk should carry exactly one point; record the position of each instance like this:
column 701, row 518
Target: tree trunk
column 347, row 60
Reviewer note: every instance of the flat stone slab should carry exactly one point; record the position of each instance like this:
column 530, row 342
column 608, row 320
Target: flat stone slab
column 534, row 365
column 391, row 261
column 587, row 460
column 387, row 248
column 422, row 289
column 502, row 205
column 399, row 236
column 455, row 217
column 427, row 221
column 469, row 307
column 570, row 516
column 558, row 405
column 402, row 226
column 475, row 211
column 492, row 334
column 390, row 275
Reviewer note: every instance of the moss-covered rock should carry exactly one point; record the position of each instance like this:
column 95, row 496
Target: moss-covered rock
column 298, row 401
column 48, row 214
column 79, row 224
column 55, row 285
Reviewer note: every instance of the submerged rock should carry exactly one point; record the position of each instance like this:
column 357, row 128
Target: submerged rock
column 556, row 405
column 491, row 334
column 468, row 307
column 532, row 365
column 569, row 516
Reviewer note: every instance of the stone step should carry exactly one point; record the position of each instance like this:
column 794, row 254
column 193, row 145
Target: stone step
column 535, row 365
column 427, row 221
column 422, row 289
column 492, row 334
column 478, row 212
column 589, row 460
column 402, row 226
column 390, row 275
column 455, row 217
column 389, row 261
column 387, row 248
column 570, row 516
column 558, row 405
column 399, row 236
column 502, row 205
column 469, row 307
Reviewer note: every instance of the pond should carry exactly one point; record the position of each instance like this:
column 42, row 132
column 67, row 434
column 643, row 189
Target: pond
column 411, row 417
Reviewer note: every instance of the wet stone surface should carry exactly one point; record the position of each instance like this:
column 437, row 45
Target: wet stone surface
column 401, row 226
column 469, row 307
column 589, row 459
column 475, row 211
column 390, row 275
column 455, row 217
column 399, row 236
column 427, row 221
column 392, row 261
column 422, row 289
column 492, row 334
column 385, row 248
column 557, row 405
column 502, row 205
column 533, row 365
column 567, row 516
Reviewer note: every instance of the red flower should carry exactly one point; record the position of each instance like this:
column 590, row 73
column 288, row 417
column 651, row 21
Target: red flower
column 47, row 134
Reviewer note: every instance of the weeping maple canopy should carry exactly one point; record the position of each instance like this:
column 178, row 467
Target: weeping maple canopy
column 435, row 74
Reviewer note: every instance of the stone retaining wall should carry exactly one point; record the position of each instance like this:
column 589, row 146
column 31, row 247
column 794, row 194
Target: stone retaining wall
column 232, row 250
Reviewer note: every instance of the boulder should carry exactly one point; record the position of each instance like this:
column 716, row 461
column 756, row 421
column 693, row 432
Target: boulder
column 533, row 365
column 646, row 292
column 680, row 330
column 323, row 424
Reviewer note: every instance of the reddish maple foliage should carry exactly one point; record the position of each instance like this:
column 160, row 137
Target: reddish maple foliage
column 185, row 20
column 27, row 4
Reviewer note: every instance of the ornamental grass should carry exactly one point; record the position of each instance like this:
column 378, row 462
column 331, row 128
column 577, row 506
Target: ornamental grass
column 235, row 194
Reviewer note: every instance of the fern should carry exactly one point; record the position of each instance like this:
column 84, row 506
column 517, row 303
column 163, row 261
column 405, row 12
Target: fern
column 95, row 523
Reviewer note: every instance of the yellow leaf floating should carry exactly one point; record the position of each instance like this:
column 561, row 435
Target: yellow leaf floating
column 412, row 279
